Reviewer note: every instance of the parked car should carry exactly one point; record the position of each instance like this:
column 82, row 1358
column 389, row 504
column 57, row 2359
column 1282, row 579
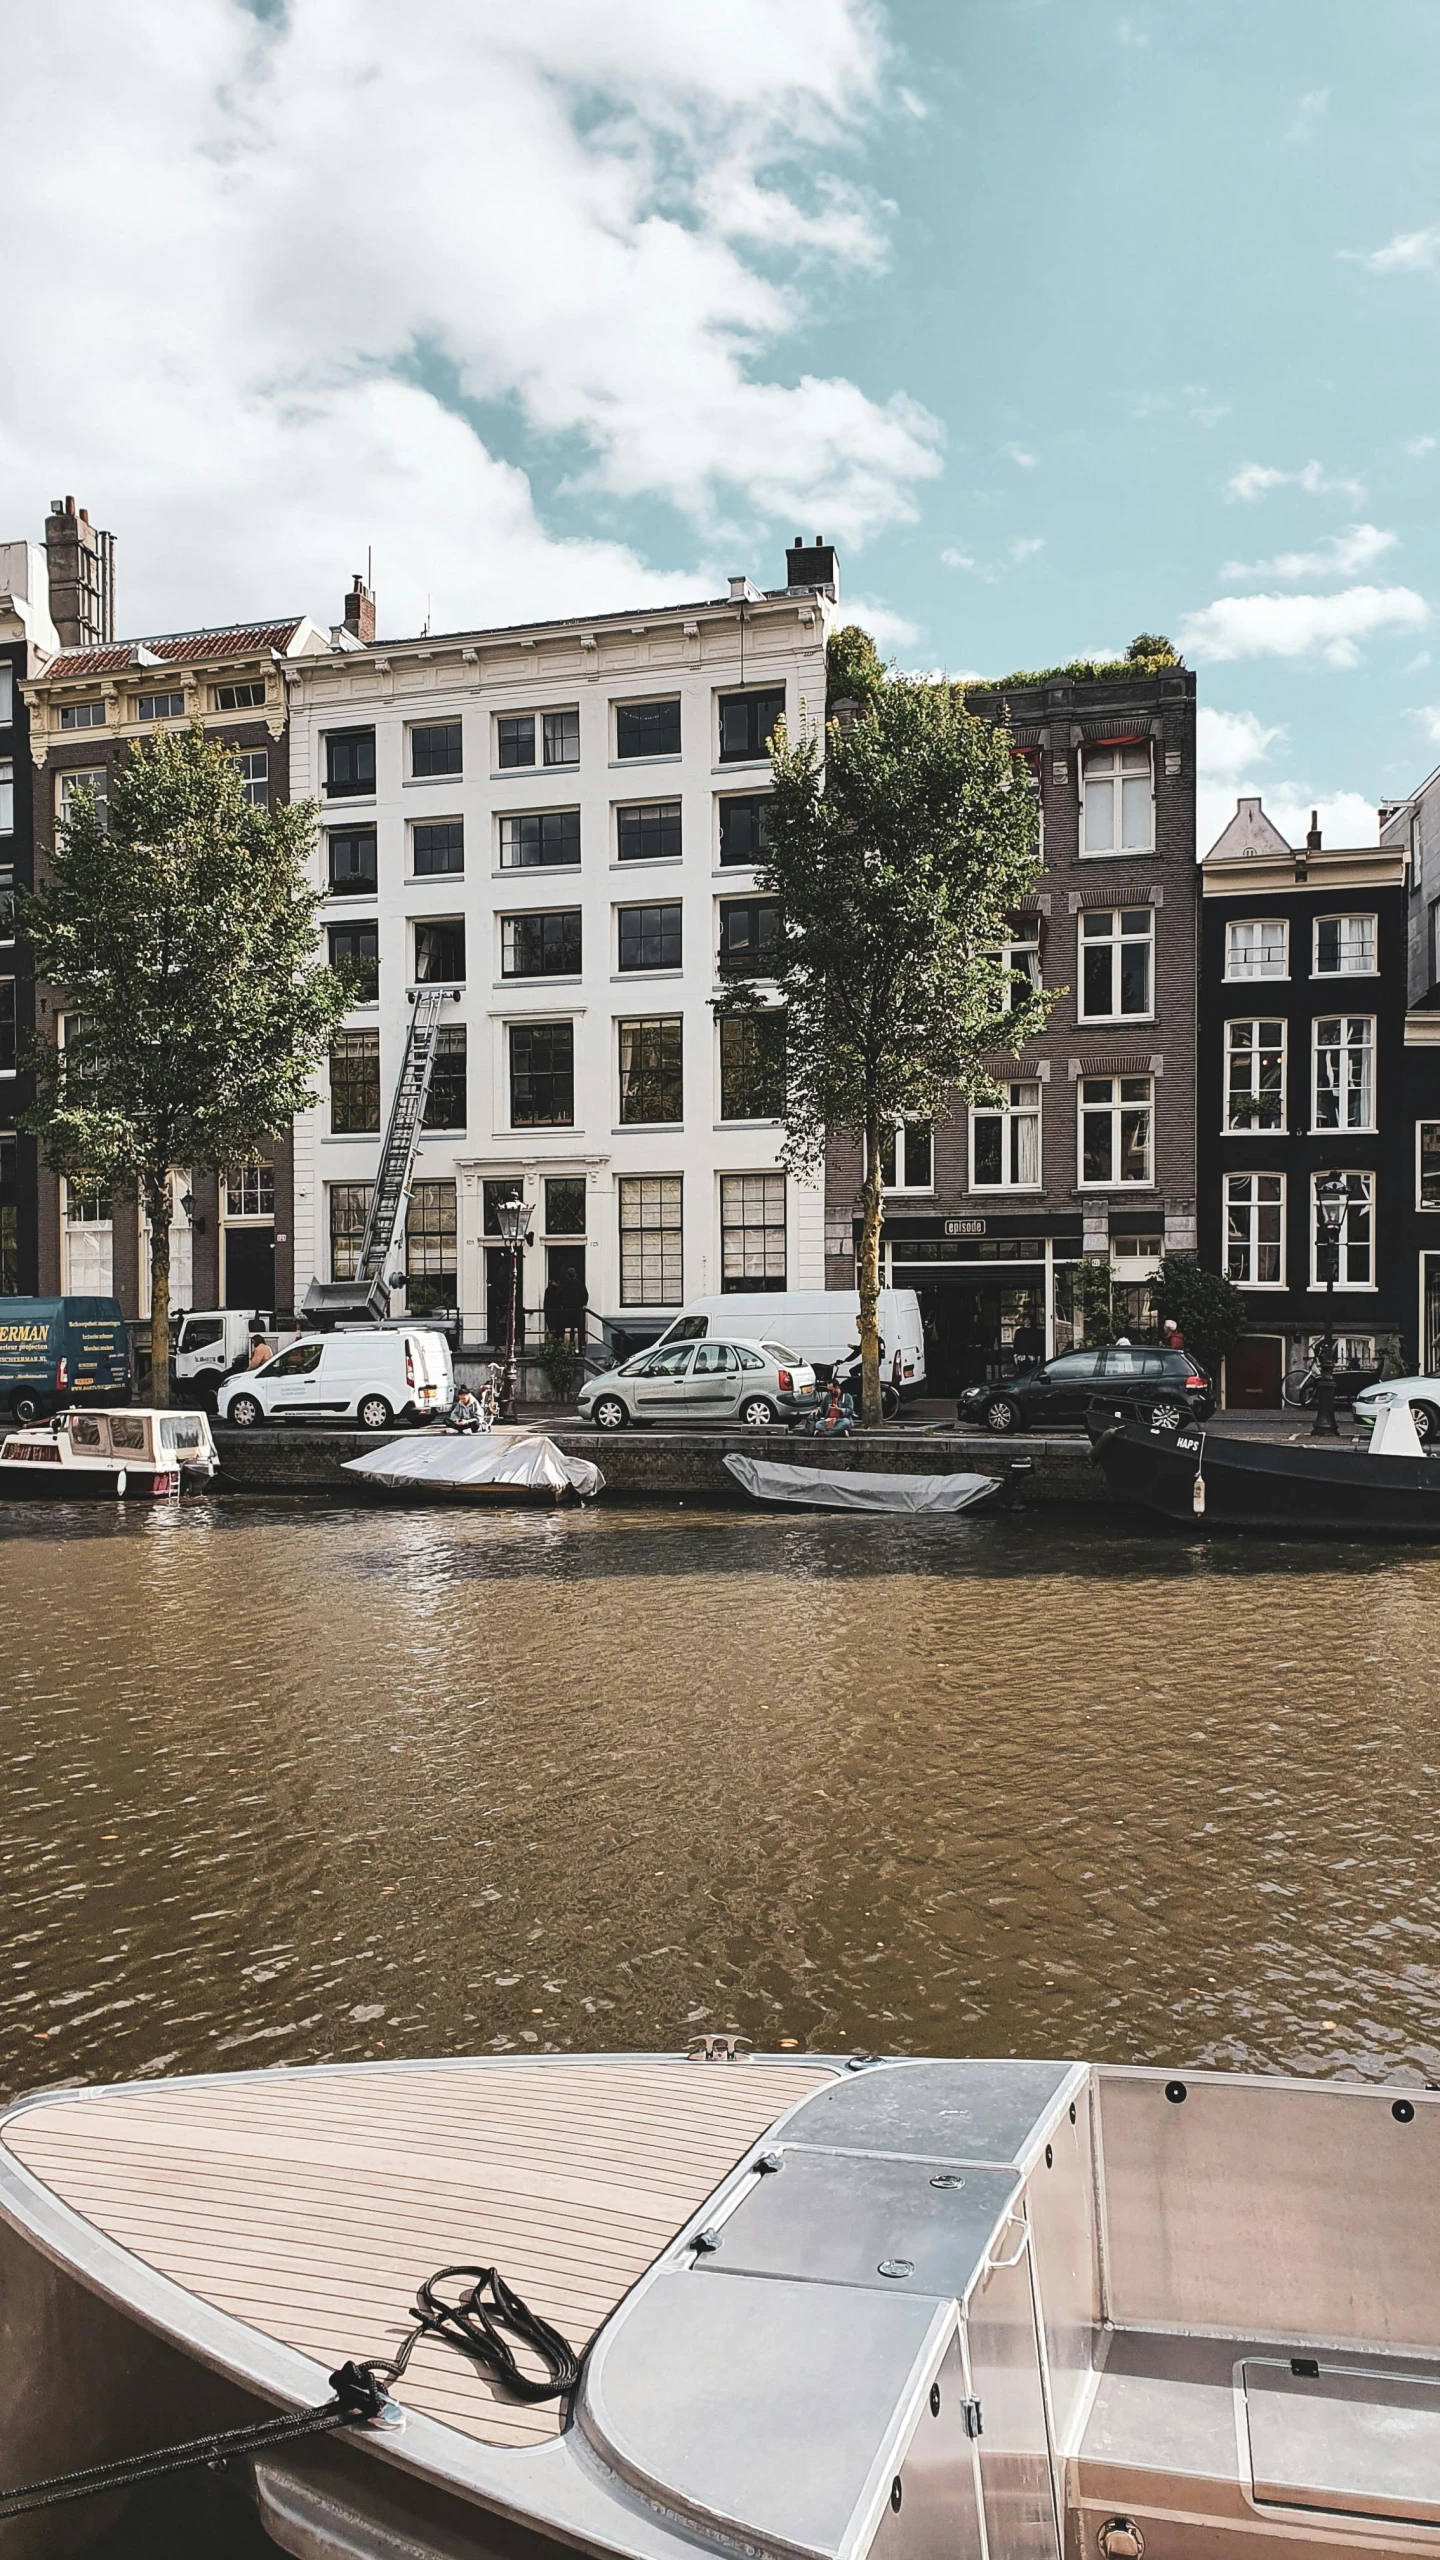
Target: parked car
column 707, row 1381
column 1422, row 1396
column 372, row 1375
column 1060, row 1392
column 821, row 1326
column 62, row 1351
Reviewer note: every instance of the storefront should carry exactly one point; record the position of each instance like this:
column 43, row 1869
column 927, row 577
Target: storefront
column 992, row 1290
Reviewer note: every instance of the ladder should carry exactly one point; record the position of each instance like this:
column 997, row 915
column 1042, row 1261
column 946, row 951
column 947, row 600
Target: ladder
column 368, row 1294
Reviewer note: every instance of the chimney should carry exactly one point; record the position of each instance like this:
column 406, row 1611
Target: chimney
column 1312, row 841
column 360, row 611
column 81, row 563
column 812, row 564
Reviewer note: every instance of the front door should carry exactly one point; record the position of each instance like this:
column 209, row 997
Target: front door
column 250, row 1267
column 565, row 1297
column 714, row 1381
column 660, row 1388
column 1253, row 1370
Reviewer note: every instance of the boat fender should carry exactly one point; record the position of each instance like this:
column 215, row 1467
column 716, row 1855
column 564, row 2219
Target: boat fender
column 1197, row 1495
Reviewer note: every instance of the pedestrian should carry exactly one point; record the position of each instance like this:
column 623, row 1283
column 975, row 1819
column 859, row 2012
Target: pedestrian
column 1171, row 1337
column 260, row 1352
column 465, row 1412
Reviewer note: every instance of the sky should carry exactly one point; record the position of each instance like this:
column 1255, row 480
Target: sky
column 1064, row 319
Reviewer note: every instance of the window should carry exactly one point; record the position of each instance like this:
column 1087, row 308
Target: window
column 250, row 1192
column 440, row 954
column 253, row 765
column 542, row 1075
column 7, row 694
column 1254, row 1075
column 560, row 731
column 1257, row 947
column 240, row 697
column 73, row 715
column 651, row 1261
column 435, row 749
column 7, row 903
column 438, row 847
column 1019, row 963
column 8, row 1052
column 543, row 946
column 160, row 706
column 354, row 862
column 355, row 1087
column 747, row 723
column 650, row 937
column 1344, row 1071
column 749, row 935
column 350, row 764
column 1345, row 946
column 647, row 729
column 565, row 1204
column 431, row 1260
column 541, row 838
column 907, row 1157
column 651, row 1071
column 7, row 796
column 9, row 1163
column 93, row 778
column 1255, row 1230
column 446, row 1102
column 1115, row 1129
column 1427, row 1164
column 1117, row 954
column 650, row 832
column 355, row 949
column 1350, row 1262
column 1434, row 940
column 1005, row 1141
column 9, row 1250
column 1117, row 800
column 752, row 1231
column 743, row 824
column 752, row 1066
column 89, row 1263
column 494, row 1195
column 515, row 741
column 349, row 1209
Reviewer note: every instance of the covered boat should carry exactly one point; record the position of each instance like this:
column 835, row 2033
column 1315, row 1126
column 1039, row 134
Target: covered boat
column 483, row 1466
column 853, row 1489
column 1221, row 1479
column 822, row 2307
column 105, row 1452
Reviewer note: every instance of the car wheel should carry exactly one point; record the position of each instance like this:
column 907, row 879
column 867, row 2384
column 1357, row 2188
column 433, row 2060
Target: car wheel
column 375, row 1414
column 245, row 1412
column 757, row 1411
column 1426, row 1418
column 608, row 1413
column 1166, row 1417
column 1002, row 1413
column 25, row 1405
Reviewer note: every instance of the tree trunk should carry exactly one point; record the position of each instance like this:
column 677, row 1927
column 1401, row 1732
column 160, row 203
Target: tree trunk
column 872, row 1200
column 157, row 1206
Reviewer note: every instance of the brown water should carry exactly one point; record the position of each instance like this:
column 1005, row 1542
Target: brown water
column 285, row 1784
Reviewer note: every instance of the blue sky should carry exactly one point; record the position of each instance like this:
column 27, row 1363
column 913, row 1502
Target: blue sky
column 1067, row 318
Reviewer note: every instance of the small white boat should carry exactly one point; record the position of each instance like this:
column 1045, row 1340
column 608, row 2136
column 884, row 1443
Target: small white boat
column 853, row 1489
column 107, row 1452
column 480, row 1466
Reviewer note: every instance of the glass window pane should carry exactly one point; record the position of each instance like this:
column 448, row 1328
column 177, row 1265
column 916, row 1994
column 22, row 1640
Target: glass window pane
column 647, row 729
column 1099, row 815
column 515, row 742
column 542, row 1075
column 562, row 737
column 438, row 847
column 651, row 1077
column 1135, row 816
column 565, row 1205
column 649, row 832
column 435, row 749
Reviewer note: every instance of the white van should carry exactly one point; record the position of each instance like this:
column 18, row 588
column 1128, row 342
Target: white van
column 818, row 1325
column 373, row 1376
column 213, row 1342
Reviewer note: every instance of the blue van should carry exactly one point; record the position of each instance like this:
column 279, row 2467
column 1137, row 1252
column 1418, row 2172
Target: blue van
column 62, row 1351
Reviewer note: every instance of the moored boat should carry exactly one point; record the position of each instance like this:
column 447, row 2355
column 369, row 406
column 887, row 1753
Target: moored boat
column 857, row 1488
column 105, row 1453
column 486, row 1466
column 1226, row 1480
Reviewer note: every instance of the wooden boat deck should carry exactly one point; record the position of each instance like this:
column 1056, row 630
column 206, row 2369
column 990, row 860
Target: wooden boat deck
column 311, row 2206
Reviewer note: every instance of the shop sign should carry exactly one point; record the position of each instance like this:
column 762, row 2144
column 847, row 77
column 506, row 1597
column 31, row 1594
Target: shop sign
column 965, row 1226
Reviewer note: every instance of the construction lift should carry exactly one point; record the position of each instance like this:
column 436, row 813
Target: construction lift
column 366, row 1298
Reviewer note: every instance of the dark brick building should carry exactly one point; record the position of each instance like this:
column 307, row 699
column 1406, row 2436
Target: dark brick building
column 1092, row 1153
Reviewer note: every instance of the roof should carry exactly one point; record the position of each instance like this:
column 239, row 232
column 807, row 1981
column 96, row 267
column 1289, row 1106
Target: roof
column 227, row 640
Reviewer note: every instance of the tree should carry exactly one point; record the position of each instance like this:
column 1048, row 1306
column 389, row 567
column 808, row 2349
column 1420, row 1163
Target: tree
column 854, row 670
column 1207, row 1307
column 180, row 941
column 894, row 865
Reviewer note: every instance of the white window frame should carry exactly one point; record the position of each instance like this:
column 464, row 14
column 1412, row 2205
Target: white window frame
column 1018, row 957
column 1238, row 977
column 1253, row 1243
column 1343, row 917
column 7, row 795
column 1427, row 1208
column 672, row 1283
column 75, row 778
column 1114, row 942
column 773, row 1187
column 1117, row 1107
column 1010, row 1113
column 99, row 1232
column 1254, row 1023
column 247, row 1177
column 1341, row 1127
column 1092, row 777
column 902, row 1181
column 1361, row 1186
column 71, row 721
column 253, row 766
column 7, row 693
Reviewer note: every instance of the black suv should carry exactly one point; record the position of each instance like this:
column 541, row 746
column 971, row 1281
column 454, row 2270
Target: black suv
column 1061, row 1392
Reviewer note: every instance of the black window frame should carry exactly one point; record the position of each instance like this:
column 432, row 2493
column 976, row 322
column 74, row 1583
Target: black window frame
column 749, row 960
column 247, row 696
column 575, row 1185
column 431, row 928
column 551, row 828
column 440, row 763
column 422, row 864
column 344, row 746
column 551, row 728
column 358, row 1054
column 651, row 1091
column 75, row 716
column 541, row 1057
column 662, row 938
column 756, row 706
column 641, row 733
column 737, row 810
column 147, row 705
column 754, row 1070
column 649, row 831
column 358, row 882
column 362, row 963
column 447, row 1103
column 510, row 728
column 557, row 942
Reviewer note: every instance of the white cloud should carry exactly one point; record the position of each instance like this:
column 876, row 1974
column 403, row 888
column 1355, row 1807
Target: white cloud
column 366, row 254
column 1230, row 744
column 1340, row 556
column 1327, row 627
column 887, row 629
column 1230, row 748
column 1415, row 446
column 1344, row 817
column 1308, row 115
column 1021, row 456
column 961, row 560
column 1253, row 479
column 1407, row 254
column 1025, row 546
column 1428, row 716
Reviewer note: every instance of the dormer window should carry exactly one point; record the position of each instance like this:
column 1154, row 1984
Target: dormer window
column 240, row 697
column 82, row 715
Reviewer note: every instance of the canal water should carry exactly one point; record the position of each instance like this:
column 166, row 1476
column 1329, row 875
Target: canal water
column 285, row 1784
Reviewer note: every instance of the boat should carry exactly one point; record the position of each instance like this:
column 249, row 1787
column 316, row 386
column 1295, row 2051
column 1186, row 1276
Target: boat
column 484, row 1466
column 1223, row 1480
column 765, row 2307
column 855, row 1489
column 108, row 1452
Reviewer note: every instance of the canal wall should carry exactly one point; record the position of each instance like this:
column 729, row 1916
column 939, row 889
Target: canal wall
column 663, row 1465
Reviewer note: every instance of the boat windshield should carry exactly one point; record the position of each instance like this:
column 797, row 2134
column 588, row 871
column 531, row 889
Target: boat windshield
column 86, row 1431
column 180, row 1431
column 127, row 1431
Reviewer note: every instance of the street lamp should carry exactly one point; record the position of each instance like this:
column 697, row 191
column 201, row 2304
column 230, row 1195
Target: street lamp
column 1332, row 1200
column 512, row 1217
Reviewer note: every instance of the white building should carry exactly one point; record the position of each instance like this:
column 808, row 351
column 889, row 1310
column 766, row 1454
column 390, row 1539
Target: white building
column 561, row 821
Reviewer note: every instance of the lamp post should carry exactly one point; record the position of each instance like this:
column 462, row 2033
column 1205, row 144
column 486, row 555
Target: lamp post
column 1332, row 1201
column 512, row 1217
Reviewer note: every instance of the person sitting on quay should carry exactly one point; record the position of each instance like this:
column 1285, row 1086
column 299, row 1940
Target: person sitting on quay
column 465, row 1414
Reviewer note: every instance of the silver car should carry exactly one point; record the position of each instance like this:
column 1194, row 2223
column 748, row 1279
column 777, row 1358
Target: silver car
column 709, row 1381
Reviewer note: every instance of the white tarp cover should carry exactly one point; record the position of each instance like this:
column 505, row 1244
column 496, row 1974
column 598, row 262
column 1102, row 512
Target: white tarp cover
column 852, row 1490
column 485, row 1461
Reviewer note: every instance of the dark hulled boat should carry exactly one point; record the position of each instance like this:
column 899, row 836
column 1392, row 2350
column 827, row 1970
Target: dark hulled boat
column 1216, row 1479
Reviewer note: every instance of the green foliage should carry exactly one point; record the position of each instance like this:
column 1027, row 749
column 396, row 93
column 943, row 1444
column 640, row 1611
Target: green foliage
column 1094, row 1286
column 853, row 669
column 1149, row 654
column 561, row 1366
column 1207, row 1307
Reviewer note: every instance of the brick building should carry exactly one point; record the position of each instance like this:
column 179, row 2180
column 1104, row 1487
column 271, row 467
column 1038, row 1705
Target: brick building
column 1091, row 1152
column 27, row 638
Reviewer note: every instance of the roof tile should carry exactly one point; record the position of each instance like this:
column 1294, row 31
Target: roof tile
column 238, row 640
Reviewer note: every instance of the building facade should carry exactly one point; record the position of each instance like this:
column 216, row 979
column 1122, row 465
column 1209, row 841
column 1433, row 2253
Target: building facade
column 1412, row 829
column 1304, row 1073
column 559, row 823
column 27, row 638
column 1090, row 1152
